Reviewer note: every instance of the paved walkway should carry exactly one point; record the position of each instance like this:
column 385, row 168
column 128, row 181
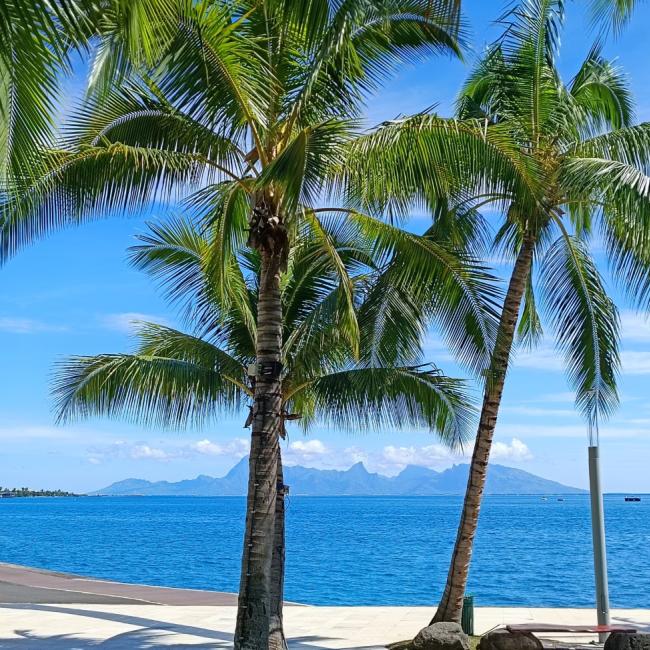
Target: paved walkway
column 82, row 613
column 191, row 627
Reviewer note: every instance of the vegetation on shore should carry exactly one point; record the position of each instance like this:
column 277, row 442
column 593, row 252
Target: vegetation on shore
column 27, row 492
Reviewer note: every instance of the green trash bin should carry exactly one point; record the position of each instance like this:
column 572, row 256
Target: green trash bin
column 467, row 619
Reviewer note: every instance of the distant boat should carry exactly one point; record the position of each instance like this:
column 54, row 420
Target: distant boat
column 544, row 499
column 560, row 499
column 633, row 498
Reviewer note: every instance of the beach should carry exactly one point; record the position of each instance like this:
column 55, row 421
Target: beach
column 64, row 612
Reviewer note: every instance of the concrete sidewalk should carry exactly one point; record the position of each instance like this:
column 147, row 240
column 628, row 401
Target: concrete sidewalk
column 58, row 611
column 137, row 627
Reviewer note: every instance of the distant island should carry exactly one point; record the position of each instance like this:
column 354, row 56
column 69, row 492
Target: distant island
column 6, row 493
column 356, row 481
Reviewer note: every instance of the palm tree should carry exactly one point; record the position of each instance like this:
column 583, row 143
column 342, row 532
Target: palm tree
column 561, row 161
column 178, row 379
column 249, row 105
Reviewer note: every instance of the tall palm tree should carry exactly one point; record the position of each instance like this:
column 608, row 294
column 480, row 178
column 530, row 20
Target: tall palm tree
column 178, row 379
column 565, row 163
column 249, row 105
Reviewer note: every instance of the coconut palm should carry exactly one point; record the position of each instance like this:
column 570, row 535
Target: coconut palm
column 247, row 105
column 38, row 38
column 565, row 163
column 177, row 379
column 34, row 43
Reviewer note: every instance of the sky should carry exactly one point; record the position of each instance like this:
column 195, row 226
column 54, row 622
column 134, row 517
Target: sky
column 75, row 294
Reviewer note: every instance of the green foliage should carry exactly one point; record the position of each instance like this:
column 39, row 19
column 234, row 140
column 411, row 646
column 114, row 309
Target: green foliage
column 175, row 379
column 551, row 158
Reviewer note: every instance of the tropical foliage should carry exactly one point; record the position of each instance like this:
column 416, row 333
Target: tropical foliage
column 177, row 379
column 569, row 166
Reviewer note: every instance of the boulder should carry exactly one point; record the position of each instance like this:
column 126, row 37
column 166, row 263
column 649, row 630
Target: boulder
column 441, row 636
column 623, row 641
column 506, row 640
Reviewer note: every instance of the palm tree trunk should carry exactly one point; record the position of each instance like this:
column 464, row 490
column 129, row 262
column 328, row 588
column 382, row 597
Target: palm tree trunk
column 254, row 610
column 451, row 605
column 277, row 640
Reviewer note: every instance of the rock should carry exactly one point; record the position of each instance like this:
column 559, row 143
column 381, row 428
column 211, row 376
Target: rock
column 441, row 636
column 506, row 640
column 623, row 641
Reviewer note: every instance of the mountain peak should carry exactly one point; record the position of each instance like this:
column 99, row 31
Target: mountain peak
column 357, row 481
column 357, row 468
column 416, row 471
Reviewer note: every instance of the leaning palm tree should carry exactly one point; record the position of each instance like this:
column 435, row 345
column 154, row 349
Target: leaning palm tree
column 179, row 379
column 570, row 165
column 248, row 105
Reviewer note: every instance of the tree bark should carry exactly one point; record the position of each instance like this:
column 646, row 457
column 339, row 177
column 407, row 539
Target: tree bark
column 254, row 606
column 451, row 604
column 277, row 640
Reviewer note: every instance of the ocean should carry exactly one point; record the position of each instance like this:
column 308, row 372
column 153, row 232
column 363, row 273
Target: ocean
column 342, row 550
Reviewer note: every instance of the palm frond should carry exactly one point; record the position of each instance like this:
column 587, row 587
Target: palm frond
column 586, row 325
column 384, row 398
column 602, row 91
column 185, row 388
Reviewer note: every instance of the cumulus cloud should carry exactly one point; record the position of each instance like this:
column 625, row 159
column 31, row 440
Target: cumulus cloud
column 238, row 448
column 138, row 452
column 315, row 453
column 389, row 460
column 516, row 451
column 126, row 322
column 427, row 456
column 392, row 459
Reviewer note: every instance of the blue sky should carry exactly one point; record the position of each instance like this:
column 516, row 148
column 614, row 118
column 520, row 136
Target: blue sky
column 74, row 293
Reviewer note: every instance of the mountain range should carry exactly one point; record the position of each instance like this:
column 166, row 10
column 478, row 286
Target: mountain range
column 356, row 481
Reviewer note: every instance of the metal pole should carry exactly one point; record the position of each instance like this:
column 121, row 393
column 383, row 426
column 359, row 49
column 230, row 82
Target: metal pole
column 598, row 535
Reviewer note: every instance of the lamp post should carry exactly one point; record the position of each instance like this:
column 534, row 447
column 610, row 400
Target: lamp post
column 598, row 532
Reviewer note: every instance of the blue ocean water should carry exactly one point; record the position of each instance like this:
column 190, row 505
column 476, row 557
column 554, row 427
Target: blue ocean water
column 344, row 550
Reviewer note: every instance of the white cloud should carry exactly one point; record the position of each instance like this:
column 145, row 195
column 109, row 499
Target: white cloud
column 516, row 451
column 431, row 456
column 27, row 326
column 125, row 450
column 544, row 357
column 126, row 322
column 539, row 412
column 635, row 362
column 436, row 456
column 567, row 397
column 315, row 453
column 635, row 326
column 138, row 452
column 238, row 448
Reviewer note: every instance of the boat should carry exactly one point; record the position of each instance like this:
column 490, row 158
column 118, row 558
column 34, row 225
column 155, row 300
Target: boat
column 633, row 498
column 560, row 499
